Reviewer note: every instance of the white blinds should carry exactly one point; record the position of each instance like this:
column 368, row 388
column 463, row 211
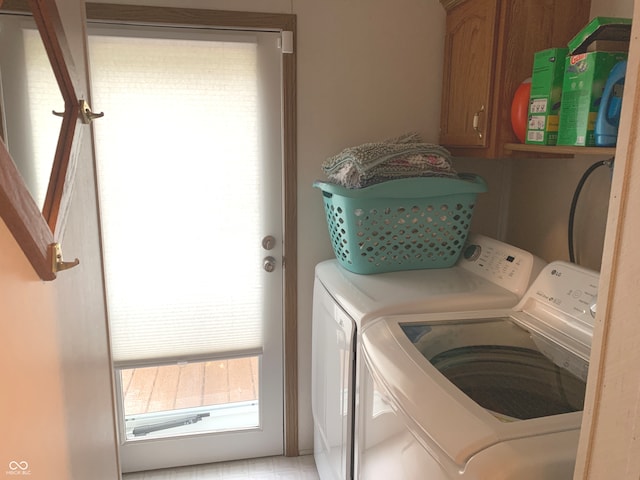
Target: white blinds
column 178, row 174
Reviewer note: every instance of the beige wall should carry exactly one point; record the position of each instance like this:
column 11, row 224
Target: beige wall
column 32, row 400
column 368, row 70
column 539, row 205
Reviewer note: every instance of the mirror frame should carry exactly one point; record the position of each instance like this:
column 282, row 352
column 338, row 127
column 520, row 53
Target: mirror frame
column 37, row 232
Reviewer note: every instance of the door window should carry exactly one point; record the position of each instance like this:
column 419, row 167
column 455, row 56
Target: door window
column 199, row 397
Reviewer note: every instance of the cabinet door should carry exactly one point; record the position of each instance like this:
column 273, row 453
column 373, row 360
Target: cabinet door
column 470, row 50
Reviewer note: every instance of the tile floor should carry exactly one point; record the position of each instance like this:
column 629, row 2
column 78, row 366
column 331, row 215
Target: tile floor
column 268, row 468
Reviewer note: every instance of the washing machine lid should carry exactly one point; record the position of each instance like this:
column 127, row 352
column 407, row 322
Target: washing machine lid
column 368, row 296
column 448, row 422
column 489, row 274
column 554, row 319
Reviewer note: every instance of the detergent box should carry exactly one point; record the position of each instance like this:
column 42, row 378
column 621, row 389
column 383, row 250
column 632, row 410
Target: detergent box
column 546, row 93
column 585, row 74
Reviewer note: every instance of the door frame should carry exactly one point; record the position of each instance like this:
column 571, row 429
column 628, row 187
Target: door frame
column 608, row 439
column 251, row 21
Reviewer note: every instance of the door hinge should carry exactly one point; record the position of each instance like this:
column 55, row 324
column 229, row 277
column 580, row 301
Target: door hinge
column 286, row 41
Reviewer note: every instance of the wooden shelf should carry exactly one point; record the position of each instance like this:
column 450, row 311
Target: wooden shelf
column 560, row 150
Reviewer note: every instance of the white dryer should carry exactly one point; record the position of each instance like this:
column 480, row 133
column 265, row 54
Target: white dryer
column 491, row 395
column 489, row 275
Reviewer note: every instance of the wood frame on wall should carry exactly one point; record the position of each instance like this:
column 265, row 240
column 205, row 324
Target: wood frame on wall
column 251, row 21
column 609, row 438
column 37, row 232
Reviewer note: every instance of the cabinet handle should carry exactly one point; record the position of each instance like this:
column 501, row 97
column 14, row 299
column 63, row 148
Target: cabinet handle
column 476, row 121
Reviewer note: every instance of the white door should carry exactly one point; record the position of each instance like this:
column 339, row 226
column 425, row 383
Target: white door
column 189, row 157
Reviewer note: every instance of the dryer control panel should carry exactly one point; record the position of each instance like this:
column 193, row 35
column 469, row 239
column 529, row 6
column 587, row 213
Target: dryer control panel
column 505, row 265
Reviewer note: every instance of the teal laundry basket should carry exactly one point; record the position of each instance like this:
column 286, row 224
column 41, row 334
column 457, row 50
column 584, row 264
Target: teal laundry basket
column 404, row 224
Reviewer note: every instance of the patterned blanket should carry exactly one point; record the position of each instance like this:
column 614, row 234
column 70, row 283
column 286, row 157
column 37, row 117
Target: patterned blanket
column 401, row 157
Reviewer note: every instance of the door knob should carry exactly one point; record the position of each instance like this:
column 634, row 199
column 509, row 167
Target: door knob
column 269, row 264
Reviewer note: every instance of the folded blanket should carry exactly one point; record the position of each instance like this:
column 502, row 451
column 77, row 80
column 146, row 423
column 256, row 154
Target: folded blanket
column 402, row 157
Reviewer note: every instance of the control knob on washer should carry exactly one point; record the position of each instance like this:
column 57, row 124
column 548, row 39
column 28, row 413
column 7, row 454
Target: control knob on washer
column 472, row 252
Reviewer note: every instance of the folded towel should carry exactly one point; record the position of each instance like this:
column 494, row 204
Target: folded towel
column 401, row 157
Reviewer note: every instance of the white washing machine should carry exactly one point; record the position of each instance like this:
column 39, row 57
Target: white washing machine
column 489, row 274
column 492, row 395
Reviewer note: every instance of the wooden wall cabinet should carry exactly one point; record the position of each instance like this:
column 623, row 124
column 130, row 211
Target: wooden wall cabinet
column 489, row 50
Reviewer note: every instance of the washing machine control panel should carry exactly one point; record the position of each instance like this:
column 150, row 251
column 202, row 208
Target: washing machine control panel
column 569, row 289
column 561, row 304
column 510, row 267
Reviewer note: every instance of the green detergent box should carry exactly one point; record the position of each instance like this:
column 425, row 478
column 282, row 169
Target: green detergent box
column 585, row 74
column 546, row 93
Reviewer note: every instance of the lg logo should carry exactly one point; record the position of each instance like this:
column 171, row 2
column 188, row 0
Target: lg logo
column 556, row 273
